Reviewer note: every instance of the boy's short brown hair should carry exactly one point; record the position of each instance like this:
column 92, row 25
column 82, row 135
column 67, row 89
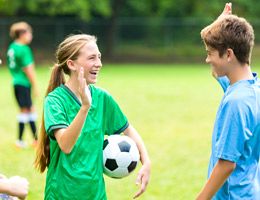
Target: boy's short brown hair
column 18, row 28
column 230, row 31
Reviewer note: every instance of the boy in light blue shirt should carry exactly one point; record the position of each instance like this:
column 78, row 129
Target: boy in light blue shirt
column 234, row 169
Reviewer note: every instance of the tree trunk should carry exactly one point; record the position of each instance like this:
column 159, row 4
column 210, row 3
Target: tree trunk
column 116, row 5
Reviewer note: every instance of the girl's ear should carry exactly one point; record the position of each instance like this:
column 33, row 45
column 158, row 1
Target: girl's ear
column 71, row 65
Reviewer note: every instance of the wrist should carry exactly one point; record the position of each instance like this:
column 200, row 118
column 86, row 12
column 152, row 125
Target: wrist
column 85, row 108
column 202, row 196
column 5, row 186
column 147, row 163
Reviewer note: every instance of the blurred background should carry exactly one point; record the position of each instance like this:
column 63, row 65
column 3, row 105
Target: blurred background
column 127, row 30
column 154, row 67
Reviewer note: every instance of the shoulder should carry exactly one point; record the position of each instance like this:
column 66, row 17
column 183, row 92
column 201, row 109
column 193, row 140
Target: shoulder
column 56, row 94
column 13, row 47
column 19, row 48
column 26, row 49
column 99, row 91
column 102, row 95
column 241, row 97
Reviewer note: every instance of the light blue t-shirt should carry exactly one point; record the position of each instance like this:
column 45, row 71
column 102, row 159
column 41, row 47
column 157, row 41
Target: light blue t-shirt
column 236, row 138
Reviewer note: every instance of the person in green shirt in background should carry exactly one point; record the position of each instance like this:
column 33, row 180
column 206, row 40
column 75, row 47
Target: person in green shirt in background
column 21, row 65
column 77, row 115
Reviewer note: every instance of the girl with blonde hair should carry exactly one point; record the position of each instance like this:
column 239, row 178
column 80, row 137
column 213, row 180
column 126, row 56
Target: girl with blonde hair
column 76, row 117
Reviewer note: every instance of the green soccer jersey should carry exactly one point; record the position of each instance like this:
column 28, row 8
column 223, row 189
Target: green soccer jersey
column 18, row 57
column 79, row 175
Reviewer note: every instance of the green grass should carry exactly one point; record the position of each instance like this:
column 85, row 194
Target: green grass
column 173, row 108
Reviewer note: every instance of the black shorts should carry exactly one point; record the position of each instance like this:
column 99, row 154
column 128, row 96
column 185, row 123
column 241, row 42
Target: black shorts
column 23, row 96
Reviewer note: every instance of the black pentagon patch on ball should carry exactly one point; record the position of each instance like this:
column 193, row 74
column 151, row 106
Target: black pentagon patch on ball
column 105, row 143
column 124, row 146
column 111, row 164
column 132, row 166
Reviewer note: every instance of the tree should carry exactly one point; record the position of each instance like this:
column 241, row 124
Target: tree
column 81, row 8
column 112, row 10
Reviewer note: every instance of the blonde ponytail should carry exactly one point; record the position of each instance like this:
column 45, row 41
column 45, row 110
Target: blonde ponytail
column 42, row 159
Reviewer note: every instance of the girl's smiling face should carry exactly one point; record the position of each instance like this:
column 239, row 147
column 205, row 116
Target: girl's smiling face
column 90, row 59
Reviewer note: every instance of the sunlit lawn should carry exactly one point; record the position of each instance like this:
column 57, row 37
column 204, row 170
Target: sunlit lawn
column 173, row 108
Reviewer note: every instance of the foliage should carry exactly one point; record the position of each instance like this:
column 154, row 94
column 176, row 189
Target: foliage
column 83, row 9
column 133, row 13
column 104, row 8
column 10, row 7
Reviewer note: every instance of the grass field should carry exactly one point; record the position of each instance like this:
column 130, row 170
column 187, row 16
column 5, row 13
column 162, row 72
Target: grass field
column 173, row 108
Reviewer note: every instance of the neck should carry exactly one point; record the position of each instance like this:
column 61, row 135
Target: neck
column 242, row 72
column 20, row 41
column 73, row 86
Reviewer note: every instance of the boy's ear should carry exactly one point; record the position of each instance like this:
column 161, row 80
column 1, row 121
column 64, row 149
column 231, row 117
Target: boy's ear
column 71, row 65
column 230, row 54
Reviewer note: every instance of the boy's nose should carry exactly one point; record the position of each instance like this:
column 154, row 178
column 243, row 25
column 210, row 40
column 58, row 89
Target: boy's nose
column 207, row 60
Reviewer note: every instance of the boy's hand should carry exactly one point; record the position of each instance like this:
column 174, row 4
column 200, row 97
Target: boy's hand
column 227, row 9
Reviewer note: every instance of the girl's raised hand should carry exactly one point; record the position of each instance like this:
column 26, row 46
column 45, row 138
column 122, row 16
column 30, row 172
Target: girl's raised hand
column 83, row 89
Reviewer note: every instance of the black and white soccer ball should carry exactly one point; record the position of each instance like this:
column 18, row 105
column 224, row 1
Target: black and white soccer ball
column 120, row 156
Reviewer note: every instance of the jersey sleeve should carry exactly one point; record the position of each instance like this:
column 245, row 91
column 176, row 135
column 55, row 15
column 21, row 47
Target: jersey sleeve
column 26, row 57
column 54, row 115
column 224, row 82
column 233, row 130
column 115, row 120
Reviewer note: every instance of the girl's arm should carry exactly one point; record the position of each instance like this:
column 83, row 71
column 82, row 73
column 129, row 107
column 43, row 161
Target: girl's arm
column 67, row 137
column 220, row 173
column 144, row 173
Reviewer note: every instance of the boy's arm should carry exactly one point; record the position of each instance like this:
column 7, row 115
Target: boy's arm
column 220, row 173
column 30, row 73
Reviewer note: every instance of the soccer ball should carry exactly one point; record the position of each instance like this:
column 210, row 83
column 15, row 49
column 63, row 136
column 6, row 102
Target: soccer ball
column 120, row 156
